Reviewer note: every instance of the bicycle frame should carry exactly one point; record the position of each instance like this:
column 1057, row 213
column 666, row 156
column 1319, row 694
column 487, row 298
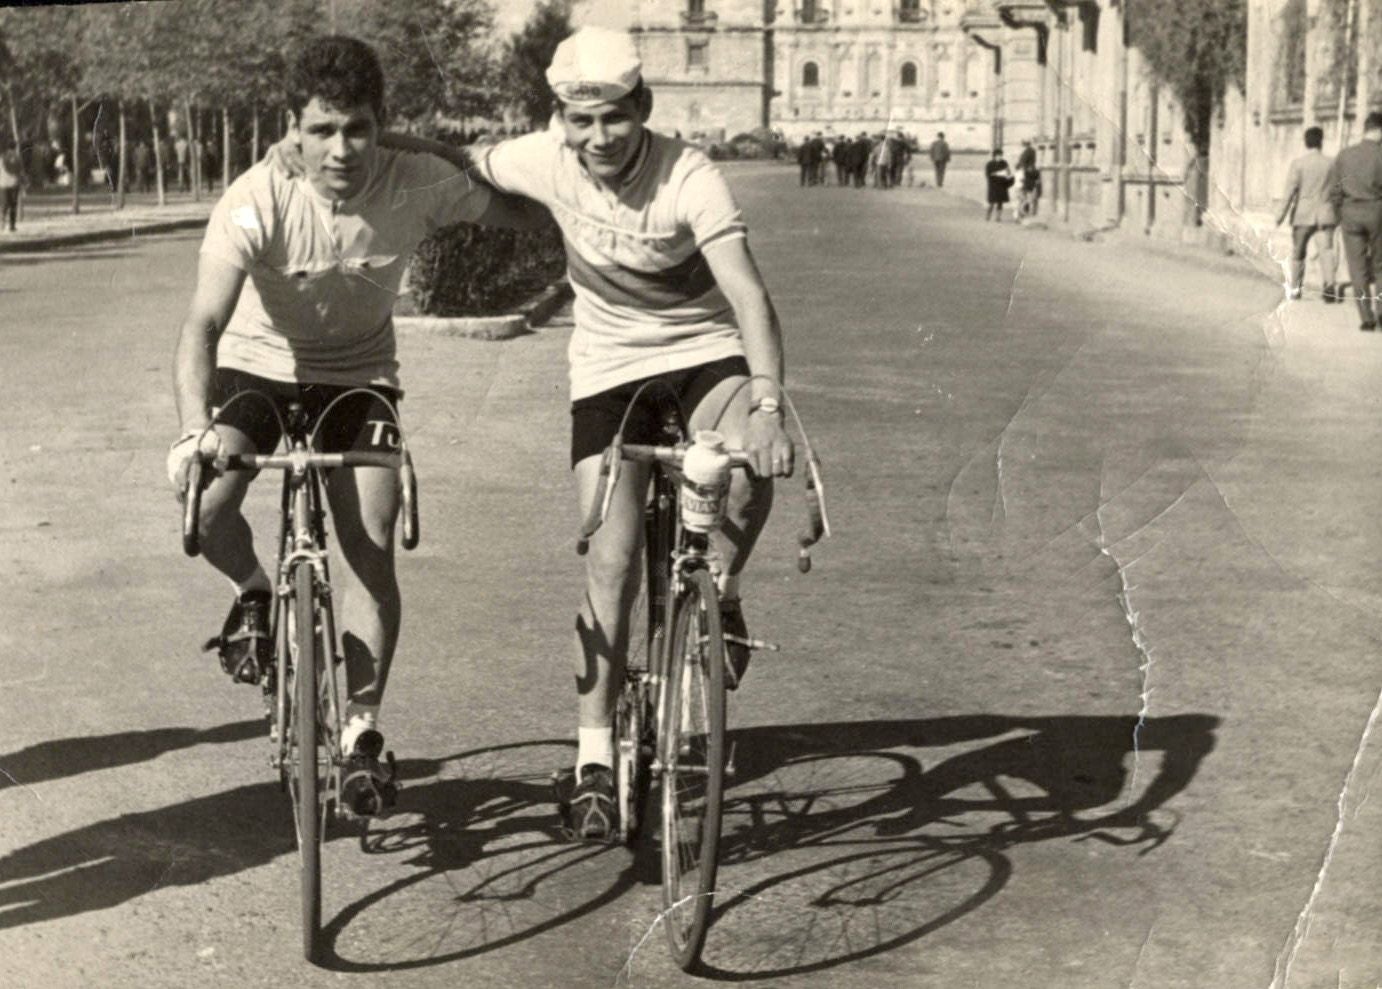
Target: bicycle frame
column 302, row 539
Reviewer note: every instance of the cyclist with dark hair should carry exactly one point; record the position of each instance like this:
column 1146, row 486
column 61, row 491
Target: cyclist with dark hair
column 294, row 299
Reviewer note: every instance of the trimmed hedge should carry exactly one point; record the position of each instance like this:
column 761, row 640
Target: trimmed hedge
column 467, row 270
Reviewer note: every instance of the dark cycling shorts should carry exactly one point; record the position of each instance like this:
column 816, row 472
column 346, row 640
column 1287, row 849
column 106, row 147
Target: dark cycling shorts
column 595, row 419
column 360, row 422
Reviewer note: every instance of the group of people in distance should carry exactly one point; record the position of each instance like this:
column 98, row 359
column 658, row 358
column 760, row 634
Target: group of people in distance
column 665, row 287
column 1343, row 193
column 883, row 160
column 1000, row 179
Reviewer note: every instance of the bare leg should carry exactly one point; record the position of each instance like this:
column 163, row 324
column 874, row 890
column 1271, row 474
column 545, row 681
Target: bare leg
column 226, row 539
column 364, row 508
column 613, row 567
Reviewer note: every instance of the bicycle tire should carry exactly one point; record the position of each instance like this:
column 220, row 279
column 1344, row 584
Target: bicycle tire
column 692, row 750
column 307, row 793
column 632, row 773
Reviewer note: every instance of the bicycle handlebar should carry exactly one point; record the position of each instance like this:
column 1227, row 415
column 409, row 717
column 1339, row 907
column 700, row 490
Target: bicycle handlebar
column 299, row 460
column 816, row 526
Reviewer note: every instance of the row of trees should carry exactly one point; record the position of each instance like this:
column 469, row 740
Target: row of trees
column 144, row 68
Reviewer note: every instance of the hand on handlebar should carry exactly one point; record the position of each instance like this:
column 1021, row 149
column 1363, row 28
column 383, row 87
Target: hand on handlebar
column 180, row 454
column 769, row 448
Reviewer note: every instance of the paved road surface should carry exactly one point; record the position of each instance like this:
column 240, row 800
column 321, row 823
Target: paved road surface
column 1080, row 695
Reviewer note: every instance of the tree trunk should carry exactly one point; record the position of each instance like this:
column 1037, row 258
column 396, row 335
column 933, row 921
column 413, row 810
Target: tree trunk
column 254, row 140
column 75, row 165
column 1350, row 50
column 1367, row 63
column 158, row 154
column 122, row 180
column 18, row 146
column 225, row 148
column 193, row 155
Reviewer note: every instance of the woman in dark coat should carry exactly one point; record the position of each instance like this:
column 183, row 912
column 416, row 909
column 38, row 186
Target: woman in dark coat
column 1000, row 180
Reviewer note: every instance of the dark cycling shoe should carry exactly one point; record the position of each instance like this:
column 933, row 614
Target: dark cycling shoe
column 245, row 643
column 369, row 787
column 590, row 814
column 737, row 642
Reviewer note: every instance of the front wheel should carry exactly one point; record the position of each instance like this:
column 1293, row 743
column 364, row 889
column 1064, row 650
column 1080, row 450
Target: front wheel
column 691, row 749
column 305, row 778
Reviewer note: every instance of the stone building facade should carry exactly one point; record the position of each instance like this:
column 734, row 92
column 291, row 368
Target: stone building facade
column 1110, row 142
column 723, row 67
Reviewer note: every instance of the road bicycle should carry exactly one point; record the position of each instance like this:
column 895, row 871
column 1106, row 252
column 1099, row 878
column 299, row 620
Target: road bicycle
column 669, row 720
column 301, row 689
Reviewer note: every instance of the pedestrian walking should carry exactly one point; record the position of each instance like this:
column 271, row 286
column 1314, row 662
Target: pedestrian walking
column 859, row 150
column 840, row 156
column 1000, row 179
column 940, row 157
column 1355, row 191
column 897, row 158
column 806, row 159
column 1030, row 197
column 11, row 180
column 1310, row 213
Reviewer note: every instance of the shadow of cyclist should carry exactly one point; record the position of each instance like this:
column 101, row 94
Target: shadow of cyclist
column 851, row 824
column 478, row 842
column 110, row 862
column 64, row 757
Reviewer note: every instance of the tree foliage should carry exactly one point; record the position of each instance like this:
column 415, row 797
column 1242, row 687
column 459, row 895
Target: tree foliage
column 1196, row 48
column 530, row 52
column 434, row 53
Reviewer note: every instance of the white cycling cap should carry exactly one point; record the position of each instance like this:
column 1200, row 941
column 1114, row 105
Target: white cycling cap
column 594, row 65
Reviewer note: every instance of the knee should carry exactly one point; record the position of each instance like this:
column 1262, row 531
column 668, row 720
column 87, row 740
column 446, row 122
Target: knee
column 610, row 572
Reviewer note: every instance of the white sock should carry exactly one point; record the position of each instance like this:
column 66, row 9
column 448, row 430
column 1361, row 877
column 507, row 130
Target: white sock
column 595, row 745
column 359, row 718
column 257, row 581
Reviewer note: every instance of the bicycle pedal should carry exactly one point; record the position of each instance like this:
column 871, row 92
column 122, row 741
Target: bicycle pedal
column 753, row 643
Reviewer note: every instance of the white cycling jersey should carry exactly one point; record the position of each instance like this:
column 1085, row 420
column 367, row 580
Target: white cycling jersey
column 646, row 300
column 317, row 305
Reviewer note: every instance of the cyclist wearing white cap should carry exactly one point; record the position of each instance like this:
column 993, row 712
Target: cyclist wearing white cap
column 665, row 288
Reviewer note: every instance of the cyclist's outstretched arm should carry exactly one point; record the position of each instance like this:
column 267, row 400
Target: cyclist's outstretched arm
column 194, row 361
column 737, row 275
column 504, row 209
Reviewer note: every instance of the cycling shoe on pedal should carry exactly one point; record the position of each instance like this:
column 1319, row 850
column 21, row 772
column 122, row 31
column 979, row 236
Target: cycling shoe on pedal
column 245, row 644
column 589, row 813
column 368, row 786
column 737, row 642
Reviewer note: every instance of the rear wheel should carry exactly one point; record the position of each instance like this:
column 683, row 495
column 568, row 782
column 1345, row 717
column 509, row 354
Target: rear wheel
column 693, row 765
column 306, row 781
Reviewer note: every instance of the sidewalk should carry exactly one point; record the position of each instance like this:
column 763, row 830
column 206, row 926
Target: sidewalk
column 46, row 226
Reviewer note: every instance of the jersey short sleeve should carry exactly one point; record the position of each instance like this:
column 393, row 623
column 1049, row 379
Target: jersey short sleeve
column 239, row 227
column 444, row 194
column 705, row 203
column 523, row 165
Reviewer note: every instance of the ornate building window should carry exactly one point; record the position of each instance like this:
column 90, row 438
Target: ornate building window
column 909, row 75
column 695, row 7
column 809, row 11
column 810, row 74
column 696, row 56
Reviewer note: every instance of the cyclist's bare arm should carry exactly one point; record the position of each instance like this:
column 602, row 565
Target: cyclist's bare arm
column 504, row 209
column 769, row 448
column 194, row 361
